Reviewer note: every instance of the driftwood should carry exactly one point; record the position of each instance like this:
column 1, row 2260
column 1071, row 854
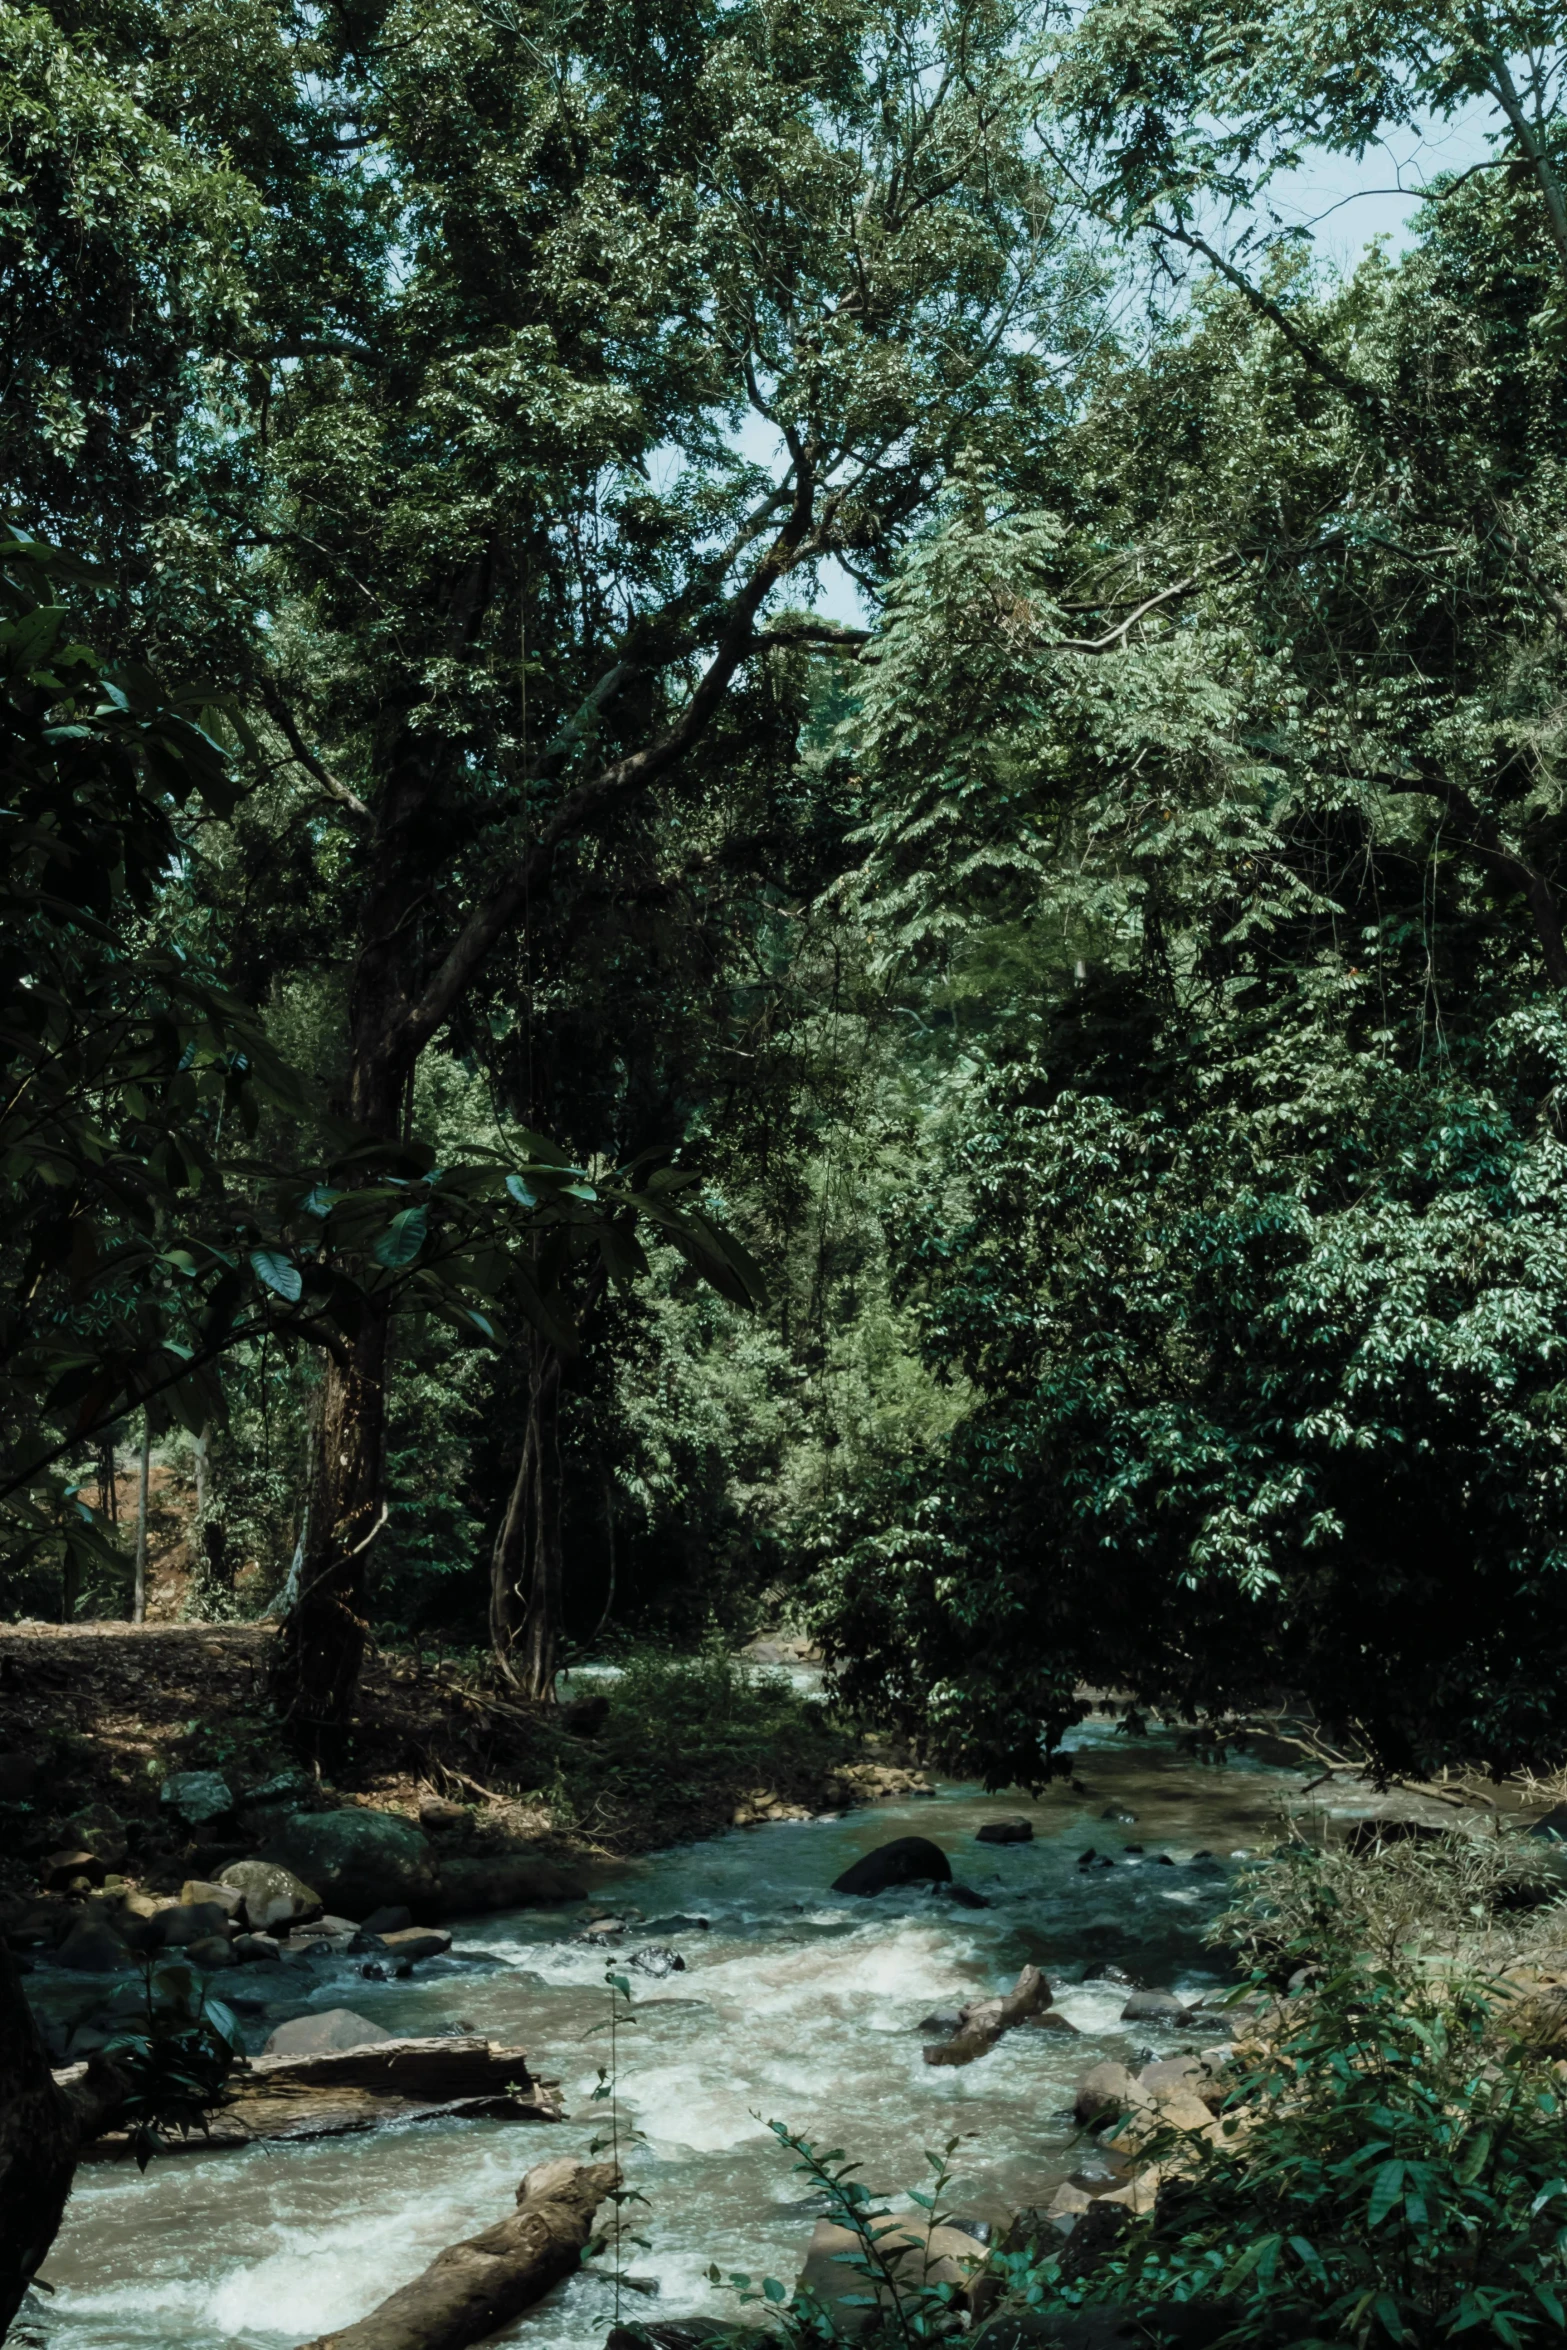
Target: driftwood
column 348, row 2089
column 981, row 2026
column 473, row 2288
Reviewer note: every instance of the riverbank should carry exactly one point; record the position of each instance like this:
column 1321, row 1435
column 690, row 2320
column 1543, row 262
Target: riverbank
column 99, row 1719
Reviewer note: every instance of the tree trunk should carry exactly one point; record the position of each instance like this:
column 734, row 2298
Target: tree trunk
column 139, row 1591
column 474, row 2288
column 38, row 2141
column 324, row 1635
column 317, row 1672
column 527, row 1565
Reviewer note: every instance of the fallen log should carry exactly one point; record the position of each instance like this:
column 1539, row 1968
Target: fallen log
column 473, row 2288
column 981, row 2026
column 347, row 2089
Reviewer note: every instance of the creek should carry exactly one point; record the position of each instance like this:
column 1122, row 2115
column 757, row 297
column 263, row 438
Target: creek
column 794, row 2003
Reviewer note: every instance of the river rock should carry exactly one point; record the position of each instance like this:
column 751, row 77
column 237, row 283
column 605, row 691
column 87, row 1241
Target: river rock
column 94, row 1948
column 657, row 1960
column 907, row 1860
column 1107, row 2089
column 227, row 1897
column 504, row 1880
column 188, row 1922
column 358, row 1859
column 197, row 1796
column 961, row 1896
column 212, row 1951
column 1154, row 2007
column 438, row 1814
column 414, row 1943
column 59, row 1870
column 1016, row 1830
column 393, row 1918
column 272, row 1895
column 103, row 1833
column 257, row 1950
column 319, row 2035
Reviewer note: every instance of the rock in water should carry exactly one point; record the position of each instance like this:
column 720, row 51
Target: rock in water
column 93, row 1947
column 907, row 1860
column 1016, row 1830
column 187, row 1922
column 318, row 2035
column 394, row 1919
column 657, row 1960
column 272, row 1894
column 1153, row 2007
column 359, row 1860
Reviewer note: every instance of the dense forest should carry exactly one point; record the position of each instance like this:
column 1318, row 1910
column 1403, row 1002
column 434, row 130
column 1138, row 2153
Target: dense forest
column 782, row 845
column 573, row 1091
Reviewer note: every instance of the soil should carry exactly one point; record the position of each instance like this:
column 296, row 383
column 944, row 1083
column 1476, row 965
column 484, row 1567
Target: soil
column 104, row 1712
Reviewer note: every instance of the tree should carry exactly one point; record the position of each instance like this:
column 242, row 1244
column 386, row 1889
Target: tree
column 611, row 242
column 1243, row 1252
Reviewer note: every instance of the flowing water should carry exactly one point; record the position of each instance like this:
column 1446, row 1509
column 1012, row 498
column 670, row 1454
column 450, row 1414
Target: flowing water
column 795, row 2003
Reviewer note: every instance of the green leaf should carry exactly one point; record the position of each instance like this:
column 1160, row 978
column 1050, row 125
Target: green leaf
column 403, row 1238
column 276, row 1273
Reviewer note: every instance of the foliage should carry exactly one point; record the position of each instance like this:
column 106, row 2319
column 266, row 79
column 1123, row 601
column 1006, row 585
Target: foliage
column 176, row 2063
column 1472, row 1901
column 899, row 2302
column 682, row 1732
column 1388, row 2169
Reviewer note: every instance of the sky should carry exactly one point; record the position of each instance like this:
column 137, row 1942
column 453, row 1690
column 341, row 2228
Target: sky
column 1345, row 202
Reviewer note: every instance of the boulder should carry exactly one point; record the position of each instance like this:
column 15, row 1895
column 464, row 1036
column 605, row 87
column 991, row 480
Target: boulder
column 197, row 1796
column 961, row 1896
column 504, row 1880
column 657, row 1960
column 317, row 2035
column 358, row 1859
column 436, row 1813
column 188, row 1922
column 228, row 1898
column 907, row 1860
column 256, row 1950
column 1016, row 1830
column 59, row 1870
column 94, row 1947
column 392, row 1918
column 102, row 1832
column 272, row 1895
column 917, row 2252
column 1107, row 2089
column 1154, row 2007
column 327, row 1929
column 213, row 1950
column 416, row 1942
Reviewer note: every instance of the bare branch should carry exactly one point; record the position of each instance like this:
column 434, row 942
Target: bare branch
column 281, row 715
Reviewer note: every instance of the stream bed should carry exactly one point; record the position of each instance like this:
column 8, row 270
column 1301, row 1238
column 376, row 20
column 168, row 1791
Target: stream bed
column 794, row 2003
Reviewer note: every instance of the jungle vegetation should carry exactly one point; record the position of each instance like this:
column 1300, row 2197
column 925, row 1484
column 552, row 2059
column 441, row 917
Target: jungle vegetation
column 578, row 1094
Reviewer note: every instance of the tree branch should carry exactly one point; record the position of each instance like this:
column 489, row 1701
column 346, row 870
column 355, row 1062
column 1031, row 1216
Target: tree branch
column 1478, row 831
column 1353, row 387
column 283, row 718
column 594, row 800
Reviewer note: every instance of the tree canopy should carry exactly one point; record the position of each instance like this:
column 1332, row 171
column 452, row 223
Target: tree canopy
column 1022, row 1123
